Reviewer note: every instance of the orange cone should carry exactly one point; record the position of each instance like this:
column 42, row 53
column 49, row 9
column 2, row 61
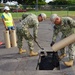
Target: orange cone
column 1, row 43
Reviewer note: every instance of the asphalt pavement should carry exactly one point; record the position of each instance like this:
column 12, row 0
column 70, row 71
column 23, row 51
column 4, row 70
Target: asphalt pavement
column 12, row 63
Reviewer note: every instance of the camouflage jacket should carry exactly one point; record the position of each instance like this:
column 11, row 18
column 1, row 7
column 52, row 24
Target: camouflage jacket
column 30, row 21
column 67, row 27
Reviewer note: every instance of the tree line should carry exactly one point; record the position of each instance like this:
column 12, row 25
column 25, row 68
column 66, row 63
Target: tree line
column 43, row 2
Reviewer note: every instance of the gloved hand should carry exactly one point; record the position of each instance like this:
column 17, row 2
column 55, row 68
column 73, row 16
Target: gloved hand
column 52, row 43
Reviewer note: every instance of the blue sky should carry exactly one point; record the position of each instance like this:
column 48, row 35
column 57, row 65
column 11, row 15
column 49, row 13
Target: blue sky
column 48, row 0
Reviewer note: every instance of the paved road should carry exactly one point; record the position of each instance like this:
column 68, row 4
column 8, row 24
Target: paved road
column 11, row 63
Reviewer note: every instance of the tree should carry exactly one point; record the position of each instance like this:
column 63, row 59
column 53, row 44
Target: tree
column 62, row 2
column 58, row 2
column 31, row 2
column 71, row 2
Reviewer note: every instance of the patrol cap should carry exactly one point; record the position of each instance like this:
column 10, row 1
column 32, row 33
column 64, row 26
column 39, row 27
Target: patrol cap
column 53, row 17
column 6, row 8
column 43, row 15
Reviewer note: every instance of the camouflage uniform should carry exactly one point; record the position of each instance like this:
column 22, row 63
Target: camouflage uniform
column 22, row 30
column 67, row 28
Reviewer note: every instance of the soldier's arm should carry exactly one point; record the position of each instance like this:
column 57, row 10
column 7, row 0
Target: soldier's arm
column 71, row 22
column 55, row 33
column 35, row 31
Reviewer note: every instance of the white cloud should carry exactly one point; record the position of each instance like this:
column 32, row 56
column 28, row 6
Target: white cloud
column 48, row 0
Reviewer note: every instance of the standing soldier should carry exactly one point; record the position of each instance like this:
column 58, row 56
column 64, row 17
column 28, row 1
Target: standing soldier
column 7, row 19
column 66, row 25
column 22, row 30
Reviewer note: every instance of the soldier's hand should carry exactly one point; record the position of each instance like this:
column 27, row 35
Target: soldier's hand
column 52, row 43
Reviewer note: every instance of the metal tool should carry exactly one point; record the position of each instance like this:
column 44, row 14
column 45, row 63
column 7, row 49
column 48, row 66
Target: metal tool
column 39, row 45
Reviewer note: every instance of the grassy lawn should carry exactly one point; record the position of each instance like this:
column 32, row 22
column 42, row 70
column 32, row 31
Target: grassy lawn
column 18, row 15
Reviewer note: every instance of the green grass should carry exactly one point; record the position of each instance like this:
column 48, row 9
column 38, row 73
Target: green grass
column 48, row 13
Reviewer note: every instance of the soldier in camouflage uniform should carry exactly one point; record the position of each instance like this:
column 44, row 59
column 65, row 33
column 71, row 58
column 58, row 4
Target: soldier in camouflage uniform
column 66, row 25
column 22, row 30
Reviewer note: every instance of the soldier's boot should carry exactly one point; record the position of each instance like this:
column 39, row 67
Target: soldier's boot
column 69, row 63
column 32, row 53
column 62, row 56
column 21, row 51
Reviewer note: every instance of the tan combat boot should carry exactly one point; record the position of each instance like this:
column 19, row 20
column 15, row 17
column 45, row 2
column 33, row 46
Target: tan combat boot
column 62, row 56
column 32, row 53
column 21, row 51
column 69, row 63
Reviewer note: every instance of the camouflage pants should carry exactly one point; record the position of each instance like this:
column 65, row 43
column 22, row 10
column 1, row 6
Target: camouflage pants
column 24, row 33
